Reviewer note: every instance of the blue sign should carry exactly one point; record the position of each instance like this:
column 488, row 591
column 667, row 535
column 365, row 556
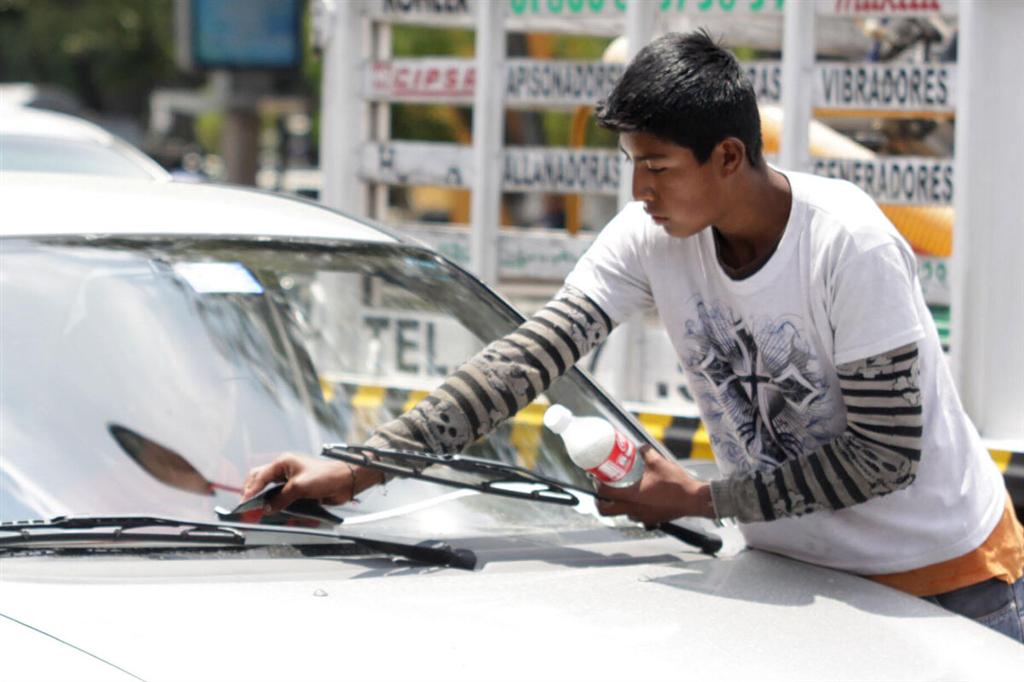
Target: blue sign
column 246, row 34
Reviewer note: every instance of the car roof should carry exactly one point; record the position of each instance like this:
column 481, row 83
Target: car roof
column 40, row 96
column 16, row 120
column 53, row 204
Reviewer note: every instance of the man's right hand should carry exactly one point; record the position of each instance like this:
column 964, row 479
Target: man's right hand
column 327, row 481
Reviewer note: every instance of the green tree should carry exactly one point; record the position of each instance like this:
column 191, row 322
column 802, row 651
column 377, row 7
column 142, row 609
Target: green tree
column 110, row 53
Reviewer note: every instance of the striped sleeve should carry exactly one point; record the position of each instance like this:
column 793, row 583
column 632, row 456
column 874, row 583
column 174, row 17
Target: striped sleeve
column 501, row 379
column 877, row 454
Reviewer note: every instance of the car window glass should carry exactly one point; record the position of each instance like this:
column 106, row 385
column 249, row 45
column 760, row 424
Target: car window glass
column 229, row 352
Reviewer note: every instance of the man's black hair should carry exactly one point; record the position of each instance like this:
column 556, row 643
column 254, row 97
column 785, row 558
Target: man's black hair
column 686, row 89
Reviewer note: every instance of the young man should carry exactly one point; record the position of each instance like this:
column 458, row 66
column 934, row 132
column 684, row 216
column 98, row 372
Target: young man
column 794, row 307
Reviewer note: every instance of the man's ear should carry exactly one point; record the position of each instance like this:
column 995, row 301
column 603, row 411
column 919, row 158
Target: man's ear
column 732, row 153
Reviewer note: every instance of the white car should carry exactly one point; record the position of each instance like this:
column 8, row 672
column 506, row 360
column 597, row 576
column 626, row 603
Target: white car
column 46, row 141
column 158, row 340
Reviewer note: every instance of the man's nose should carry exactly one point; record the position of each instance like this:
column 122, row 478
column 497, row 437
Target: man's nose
column 642, row 190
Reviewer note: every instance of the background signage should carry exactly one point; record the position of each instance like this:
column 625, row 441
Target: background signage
column 421, row 80
column 440, row 164
column 888, row 8
column 528, row 82
column 555, row 84
column 255, row 34
column 617, row 8
column 933, row 274
column 895, row 180
column 560, row 14
column 553, row 169
column 536, row 254
column 889, row 180
column 526, row 169
column 896, row 86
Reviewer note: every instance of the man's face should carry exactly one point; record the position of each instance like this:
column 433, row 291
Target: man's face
column 680, row 194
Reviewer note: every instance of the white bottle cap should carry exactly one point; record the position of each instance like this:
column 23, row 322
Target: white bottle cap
column 557, row 418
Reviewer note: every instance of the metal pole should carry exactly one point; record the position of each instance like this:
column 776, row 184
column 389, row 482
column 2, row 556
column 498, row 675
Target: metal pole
column 987, row 307
column 797, row 85
column 240, row 138
column 342, row 120
column 488, row 134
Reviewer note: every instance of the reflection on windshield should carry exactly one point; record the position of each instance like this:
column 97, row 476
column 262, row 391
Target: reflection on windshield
column 227, row 353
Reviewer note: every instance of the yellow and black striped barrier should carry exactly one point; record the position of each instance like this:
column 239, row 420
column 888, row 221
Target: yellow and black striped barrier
column 684, row 437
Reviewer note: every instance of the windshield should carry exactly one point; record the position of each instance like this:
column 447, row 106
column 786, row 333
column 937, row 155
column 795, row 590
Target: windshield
column 57, row 155
column 228, row 352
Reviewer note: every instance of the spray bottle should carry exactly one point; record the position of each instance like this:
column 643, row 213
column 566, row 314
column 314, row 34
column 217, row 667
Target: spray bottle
column 594, row 445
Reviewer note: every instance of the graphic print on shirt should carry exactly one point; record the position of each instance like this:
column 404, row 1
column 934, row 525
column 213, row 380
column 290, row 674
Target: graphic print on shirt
column 759, row 386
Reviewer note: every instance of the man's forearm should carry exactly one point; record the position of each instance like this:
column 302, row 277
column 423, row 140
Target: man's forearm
column 877, row 454
column 501, row 379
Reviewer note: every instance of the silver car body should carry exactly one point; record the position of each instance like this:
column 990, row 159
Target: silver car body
column 607, row 603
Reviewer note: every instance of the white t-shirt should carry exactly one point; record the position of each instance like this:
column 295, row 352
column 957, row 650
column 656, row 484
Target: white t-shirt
column 841, row 286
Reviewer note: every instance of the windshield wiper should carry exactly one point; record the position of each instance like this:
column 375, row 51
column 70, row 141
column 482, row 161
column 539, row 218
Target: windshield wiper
column 505, row 479
column 15, row 535
column 501, row 479
column 171, row 468
column 78, row 528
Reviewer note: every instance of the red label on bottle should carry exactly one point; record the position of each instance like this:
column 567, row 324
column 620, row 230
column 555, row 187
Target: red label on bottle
column 619, row 462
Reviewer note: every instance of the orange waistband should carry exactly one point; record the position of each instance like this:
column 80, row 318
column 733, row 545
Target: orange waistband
column 1000, row 556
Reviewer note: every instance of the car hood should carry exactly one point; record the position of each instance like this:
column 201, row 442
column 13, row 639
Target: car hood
column 641, row 607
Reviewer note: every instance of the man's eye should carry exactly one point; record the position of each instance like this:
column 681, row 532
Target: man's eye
column 655, row 170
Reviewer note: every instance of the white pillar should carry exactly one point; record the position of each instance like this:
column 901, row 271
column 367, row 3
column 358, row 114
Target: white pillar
column 797, row 85
column 342, row 116
column 488, row 133
column 641, row 21
column 987, row 307
column 380, row 113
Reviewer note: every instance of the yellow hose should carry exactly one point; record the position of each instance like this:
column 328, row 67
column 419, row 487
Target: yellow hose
column 577, row 136
column 928, row 229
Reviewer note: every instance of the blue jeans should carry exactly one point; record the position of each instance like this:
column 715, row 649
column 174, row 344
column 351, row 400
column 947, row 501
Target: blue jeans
column 992, row 603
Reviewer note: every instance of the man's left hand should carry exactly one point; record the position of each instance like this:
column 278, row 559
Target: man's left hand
column 664, row 493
